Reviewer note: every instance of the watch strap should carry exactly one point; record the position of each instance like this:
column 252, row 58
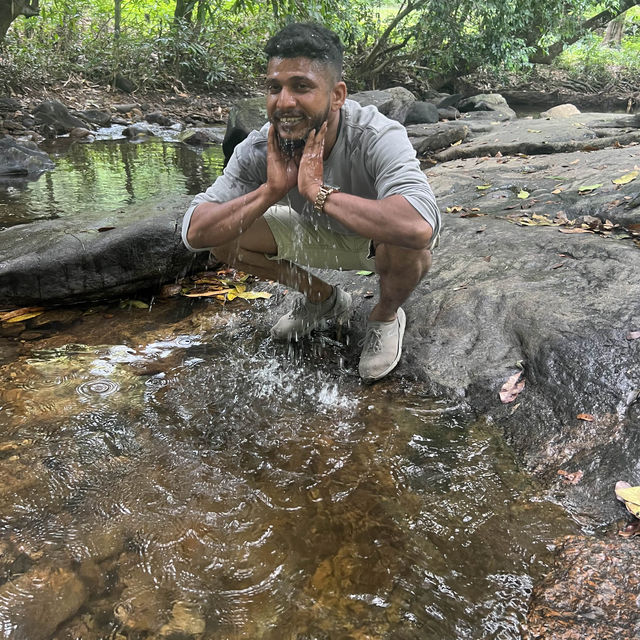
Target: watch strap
column 324, row 192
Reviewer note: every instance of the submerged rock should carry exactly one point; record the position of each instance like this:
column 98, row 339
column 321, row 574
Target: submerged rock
column 22, row 158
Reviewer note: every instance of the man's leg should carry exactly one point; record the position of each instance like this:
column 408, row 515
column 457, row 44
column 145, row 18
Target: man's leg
column 400, row 270
column 247, row 254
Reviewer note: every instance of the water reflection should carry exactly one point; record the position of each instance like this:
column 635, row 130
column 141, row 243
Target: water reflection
column 216, row 487
column 107, row 175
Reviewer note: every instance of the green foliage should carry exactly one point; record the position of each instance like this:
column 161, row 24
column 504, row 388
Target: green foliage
column 212, row 43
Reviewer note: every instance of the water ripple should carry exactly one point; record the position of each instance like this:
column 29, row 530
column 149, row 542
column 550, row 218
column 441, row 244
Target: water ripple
column 99, row 387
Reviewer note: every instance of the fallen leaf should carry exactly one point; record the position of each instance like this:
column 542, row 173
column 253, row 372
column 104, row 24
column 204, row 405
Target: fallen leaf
column 570, row 477
column 482, row 187
column 511, row 388
column 587, row 417
column 626, row 178
column 17, row 313
column 364, row 273
column 136, row 304
column 589, row 188
column 575, row 230
column 101, row 229
column 455, row 144
column 557, row 266
column 487, row 258
column 523, row 195
column 481, row 229
column 630, row 496
column 454, row 209
column 556, row 191
column 633, row 335
column 575, row 161
column 534, row 130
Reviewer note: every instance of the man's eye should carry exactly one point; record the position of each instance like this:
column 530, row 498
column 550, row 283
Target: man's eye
column 273, row 88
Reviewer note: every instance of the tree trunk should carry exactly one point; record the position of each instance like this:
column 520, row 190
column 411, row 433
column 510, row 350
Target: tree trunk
column 11, row 9
column 540, row 56
column 117, row 12
column 183, row 11
column 615, row 31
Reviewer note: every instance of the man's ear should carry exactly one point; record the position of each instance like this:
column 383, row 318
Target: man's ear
column 338, row 95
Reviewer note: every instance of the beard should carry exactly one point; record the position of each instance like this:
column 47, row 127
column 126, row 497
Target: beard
column 291, row 146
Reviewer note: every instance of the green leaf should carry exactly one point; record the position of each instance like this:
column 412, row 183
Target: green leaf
column 364, row 273
column 136, row 304
column 591, row 187
column 523, row 195
column 482, row 187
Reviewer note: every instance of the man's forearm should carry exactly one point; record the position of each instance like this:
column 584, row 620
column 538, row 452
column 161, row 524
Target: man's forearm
column 215, row 224
column 392, row 220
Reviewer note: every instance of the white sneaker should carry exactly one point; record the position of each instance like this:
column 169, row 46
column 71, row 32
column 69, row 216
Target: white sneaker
column 382, row 347
column 307, row 316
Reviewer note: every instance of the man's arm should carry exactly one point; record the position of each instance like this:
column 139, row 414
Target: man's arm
column 215, row 224
column 393, row 220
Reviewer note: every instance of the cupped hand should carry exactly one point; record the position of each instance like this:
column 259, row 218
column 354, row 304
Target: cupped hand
column 282, row 170
column 310, row 171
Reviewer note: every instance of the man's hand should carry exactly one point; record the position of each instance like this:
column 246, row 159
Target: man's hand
column 282, row 170
column 312, row 164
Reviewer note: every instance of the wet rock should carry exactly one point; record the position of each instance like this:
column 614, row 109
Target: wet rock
column 137, row 131
column 56, row 115
column 422, row 113
column 22, row 158
column 448, row 113
column 97, row 117
column 591, row 593
column 36, row 603
column 186, row 622
column 124, row 84
column 124, row 108
column 80, row 132
column 202, row 136
column 159, row 118
column 561, row 111
column 245, row 116
column 55, row 262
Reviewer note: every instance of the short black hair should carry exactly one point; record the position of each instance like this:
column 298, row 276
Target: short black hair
column 307, row 40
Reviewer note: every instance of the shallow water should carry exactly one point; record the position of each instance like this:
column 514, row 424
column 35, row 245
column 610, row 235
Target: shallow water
column 103, row 177
column 173, row 472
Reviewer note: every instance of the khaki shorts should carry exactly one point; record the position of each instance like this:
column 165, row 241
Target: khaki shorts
column 299, row 241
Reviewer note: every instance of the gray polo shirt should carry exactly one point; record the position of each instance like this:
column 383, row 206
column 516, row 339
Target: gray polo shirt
column 372, row 158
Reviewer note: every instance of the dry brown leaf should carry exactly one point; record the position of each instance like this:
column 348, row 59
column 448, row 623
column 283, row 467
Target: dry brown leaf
column 570, row 477
column 587, row 417
column 575, row 230
column 511, row 388
column 11, row 316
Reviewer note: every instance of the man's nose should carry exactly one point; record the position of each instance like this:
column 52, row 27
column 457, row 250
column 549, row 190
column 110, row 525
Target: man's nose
column 286, row 99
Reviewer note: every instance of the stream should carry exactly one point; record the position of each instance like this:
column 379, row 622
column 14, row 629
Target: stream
column 170, row 472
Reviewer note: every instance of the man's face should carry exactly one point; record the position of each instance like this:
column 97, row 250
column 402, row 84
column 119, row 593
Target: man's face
column 298, row 98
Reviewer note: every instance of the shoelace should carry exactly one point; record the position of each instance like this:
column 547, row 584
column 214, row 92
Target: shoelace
column 372, row 341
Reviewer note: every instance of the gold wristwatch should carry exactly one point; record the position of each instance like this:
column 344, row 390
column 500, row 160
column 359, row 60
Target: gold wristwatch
column 325, row 191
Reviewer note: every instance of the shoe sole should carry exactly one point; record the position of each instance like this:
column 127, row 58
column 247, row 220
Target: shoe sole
column 402, row 319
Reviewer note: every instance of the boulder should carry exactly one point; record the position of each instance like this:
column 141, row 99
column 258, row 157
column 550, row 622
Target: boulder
column 157, row 117
column 427, row 138
column 245, row 116
column 22, row 159
column 96, row 116
column 561, row 111
column 56, row 115
column 202, row 136
column 393, row 103
column 55, row 262
column 422, row 113
column 491, row 102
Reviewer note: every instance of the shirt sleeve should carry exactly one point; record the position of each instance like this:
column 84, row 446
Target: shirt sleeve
column 392, row 162
column 245, row 172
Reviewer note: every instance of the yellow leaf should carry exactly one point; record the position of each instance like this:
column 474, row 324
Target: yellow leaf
column 534, row 130
column 24, row 316
column 252, row 295
column 631, row 498
column 556, row 191
column 523, row 195
column 482, row 187
column 455, row 144
column 453, row 209
column 626, row 178
column 7, row 315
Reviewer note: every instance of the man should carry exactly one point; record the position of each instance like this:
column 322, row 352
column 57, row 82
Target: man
column 327, row 184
